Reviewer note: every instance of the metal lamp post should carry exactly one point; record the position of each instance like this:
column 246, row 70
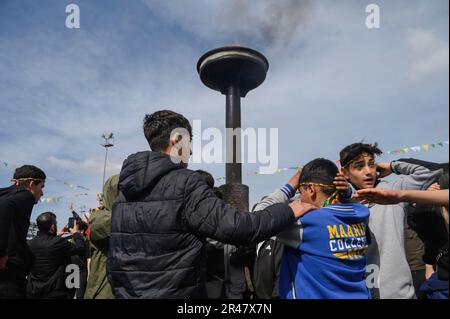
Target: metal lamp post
column 109, row 142
column 233, row 71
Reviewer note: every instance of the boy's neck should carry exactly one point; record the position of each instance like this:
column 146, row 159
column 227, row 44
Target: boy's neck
column 319, row 199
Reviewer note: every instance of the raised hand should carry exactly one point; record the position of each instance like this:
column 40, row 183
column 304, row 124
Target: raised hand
column 293, row 181
column 341, row 183
column 434, row 187
column 384, row 169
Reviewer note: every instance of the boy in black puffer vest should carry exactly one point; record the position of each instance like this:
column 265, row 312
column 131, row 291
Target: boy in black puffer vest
column 164, row 212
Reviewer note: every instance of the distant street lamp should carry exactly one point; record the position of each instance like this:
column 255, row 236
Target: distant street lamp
column 109, row 142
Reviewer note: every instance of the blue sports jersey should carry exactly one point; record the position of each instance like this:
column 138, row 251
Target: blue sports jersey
column 330, row 260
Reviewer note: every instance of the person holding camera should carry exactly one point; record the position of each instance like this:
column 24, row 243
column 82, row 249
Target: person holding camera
column 52, row 252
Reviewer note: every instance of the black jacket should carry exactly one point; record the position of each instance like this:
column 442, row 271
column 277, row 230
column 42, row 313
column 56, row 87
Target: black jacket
column 16, row 205
column 159, row 223
column 52, row 253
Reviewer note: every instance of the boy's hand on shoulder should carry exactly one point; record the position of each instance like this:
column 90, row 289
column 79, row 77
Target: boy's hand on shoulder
column 299, row 208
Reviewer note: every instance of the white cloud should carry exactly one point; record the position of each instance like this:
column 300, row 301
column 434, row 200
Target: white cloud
column 89, row 165
column 431, row 55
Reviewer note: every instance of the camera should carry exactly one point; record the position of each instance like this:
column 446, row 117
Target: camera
column 71, row 222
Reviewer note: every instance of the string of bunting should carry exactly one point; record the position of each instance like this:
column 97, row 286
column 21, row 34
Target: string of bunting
column 402, row 150
column 54, row 199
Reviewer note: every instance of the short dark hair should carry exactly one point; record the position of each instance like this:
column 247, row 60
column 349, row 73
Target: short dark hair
column 350, row 152
column 207, row 177
column 28, row 173
column 159, row 125
column 45, row 220
column 320, row 171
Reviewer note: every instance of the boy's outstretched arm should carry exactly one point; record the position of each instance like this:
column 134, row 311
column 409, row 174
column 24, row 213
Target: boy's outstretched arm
column 390, row 197
column 211, row 217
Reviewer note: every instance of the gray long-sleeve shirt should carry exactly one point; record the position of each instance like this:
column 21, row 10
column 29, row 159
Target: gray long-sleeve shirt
column 388, row 273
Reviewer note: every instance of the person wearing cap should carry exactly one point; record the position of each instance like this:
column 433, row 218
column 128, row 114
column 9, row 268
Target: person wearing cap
column 16, row 205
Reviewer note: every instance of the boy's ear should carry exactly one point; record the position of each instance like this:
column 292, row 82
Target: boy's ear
column 311, row 190
column 31, row 184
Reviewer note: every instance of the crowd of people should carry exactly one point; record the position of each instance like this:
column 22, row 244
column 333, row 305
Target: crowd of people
column 164, row 231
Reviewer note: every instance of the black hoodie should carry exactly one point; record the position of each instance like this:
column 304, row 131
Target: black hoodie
column 16, row 205
column 159, row 223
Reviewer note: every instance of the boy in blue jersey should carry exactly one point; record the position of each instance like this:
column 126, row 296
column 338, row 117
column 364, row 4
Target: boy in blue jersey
column 324, row 253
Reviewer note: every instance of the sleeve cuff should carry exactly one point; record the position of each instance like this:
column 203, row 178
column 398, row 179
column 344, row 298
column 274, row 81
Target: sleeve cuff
column 288, row 190
column 393, row 168
column 350, row 192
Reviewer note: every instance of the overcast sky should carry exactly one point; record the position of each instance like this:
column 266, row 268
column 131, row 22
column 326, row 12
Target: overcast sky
column 331, row 82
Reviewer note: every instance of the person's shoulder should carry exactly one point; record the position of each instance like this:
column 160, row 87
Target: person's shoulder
column 352, row 208
column 184, row 175
column 44, row 241
column 188, row 179
column 362, row 209
column 321, row 213
column 95, row 213
column 23, row 193
column 342, row 207
column 358, row 205
column 18, row 195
